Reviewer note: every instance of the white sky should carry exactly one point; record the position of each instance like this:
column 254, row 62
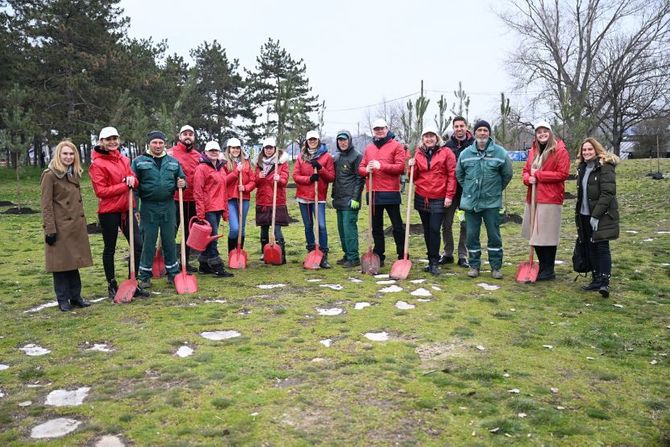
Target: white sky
column 358, row 52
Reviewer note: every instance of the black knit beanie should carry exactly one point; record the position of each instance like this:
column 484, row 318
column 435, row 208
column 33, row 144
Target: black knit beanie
column 155, row 134
column 482, row 123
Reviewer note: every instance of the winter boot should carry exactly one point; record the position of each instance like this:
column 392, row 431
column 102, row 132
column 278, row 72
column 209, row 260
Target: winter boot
column 204, row 267
column 264, row 242
column 282, row 244
column 324, row 261
column 595, row 282
column 232, row 244
column 65, row 306
column 112, row 287
column 604, row 288
column 79, row 302
column 216, row 266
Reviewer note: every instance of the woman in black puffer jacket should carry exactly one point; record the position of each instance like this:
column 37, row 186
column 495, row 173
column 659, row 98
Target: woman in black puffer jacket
column 597, row 210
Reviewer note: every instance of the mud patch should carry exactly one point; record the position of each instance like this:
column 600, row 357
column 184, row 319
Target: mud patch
column 20, row 211
column 438, row 355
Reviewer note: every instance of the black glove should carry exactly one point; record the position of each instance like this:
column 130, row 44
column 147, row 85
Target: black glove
column 315, row 164
column 50, row 238
column 314, row 178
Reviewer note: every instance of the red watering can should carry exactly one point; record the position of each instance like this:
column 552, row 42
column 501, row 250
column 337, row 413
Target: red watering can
column 199, row 234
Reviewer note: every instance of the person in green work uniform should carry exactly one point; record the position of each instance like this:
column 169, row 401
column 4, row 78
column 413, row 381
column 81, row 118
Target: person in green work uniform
column 159, row 176
column 484, row 170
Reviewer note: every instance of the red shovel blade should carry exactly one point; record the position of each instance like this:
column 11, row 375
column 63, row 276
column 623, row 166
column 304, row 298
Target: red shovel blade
column 126, row 291
column 185, row 283
column 272, row 254
column 370, row 263
column 400, row 269
column 158, row 267
column 313, row 259
column 237, row 259
column 527, row 272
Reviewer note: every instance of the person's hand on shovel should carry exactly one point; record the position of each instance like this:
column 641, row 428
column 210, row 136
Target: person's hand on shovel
column 532, row 179
column 275, row 177
column 129, row 181
column 181, row 183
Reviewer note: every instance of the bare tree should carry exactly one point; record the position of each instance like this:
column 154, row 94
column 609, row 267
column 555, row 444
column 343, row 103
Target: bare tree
column 600, row 64
column 391, row 112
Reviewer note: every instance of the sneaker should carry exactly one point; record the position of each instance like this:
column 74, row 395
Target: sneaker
column 350, row 264
column 341, row 261
column 473, row 272
column 462, row 262
column 496, row 274
column 145, row 283
column 444, row 259
column 79, row 302
column 141, row 293
column 434, row 270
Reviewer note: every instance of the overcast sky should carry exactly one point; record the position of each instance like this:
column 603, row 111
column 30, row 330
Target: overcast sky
column 358, row 52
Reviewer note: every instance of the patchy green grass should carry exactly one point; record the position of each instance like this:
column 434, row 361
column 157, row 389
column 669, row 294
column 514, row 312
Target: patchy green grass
column 469, row 367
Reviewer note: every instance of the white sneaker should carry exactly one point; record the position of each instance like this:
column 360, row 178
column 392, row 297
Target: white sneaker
column 473, row 272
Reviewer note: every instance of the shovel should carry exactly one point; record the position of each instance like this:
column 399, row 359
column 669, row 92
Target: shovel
column 237, row 259
column 184, row 282
column 272, row 251
column 370, row 260
column 528, row 270
column 158, row 266
column 126, row 290
column 314, row 257
column 400, row 269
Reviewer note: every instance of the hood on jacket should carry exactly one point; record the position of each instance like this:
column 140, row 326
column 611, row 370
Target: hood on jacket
column 610, row 158
column 348, row 134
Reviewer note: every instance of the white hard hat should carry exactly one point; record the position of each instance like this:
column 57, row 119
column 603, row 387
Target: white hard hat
column 107, row 132
column 212, row 145
column 233, row 142
column 379, row 122
column 269, row 141
column 312, row 134
column 186, row 127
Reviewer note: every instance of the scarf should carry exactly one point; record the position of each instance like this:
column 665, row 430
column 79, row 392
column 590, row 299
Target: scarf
column 269, row 164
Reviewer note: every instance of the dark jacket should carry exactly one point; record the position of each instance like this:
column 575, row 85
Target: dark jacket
column 601, row 194
column 348, row 184
column 63, row 215
column 457, row 147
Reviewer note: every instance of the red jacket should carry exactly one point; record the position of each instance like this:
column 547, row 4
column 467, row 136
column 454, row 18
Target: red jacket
column 303, row 170
column 108, row 168
column 550, row 186
column 188, row 160
column 209, row 189
column 392, row 156
column 265, row 185
column 438, row 180
column 248, row 181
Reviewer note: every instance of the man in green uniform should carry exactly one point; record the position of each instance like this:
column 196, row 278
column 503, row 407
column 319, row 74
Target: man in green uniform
column 159, row 176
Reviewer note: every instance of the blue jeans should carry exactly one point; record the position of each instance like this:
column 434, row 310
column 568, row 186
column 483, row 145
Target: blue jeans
column 212, row 249
column 233, row 217
column 307, row 213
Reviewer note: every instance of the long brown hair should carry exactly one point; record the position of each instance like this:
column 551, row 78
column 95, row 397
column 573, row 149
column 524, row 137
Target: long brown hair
column 600, row 150
column 58, row 165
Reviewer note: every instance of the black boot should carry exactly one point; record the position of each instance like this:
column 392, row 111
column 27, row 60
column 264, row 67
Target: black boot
column 433, row 268
column 112, row 287
column 595, row 282
column 216, row 266
column 64, row 306
column 232, row 244
column 282, row 244
column 264, row 242
column 604, row 288
column 79, row 302
column 324, row 261
column 204, row 267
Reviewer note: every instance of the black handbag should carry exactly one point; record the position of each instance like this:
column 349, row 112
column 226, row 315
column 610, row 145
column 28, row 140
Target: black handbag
column 580, row 257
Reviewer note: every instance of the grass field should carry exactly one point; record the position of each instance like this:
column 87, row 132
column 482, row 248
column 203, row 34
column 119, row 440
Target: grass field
column 522, row 365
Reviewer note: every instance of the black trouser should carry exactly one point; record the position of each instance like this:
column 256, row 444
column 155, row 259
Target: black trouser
column 599, row 252
column 67, row 285
column 189, row 211
column 546, row 257
column 110, row 224
column 432, row 226
column 378, row 229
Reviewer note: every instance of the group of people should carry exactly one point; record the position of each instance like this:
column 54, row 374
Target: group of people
column 466, row 175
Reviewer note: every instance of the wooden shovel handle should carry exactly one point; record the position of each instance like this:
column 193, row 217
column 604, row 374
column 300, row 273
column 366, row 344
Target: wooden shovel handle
column 316, row 210
column 407, row 215
column 274, row 199
column 240, row 205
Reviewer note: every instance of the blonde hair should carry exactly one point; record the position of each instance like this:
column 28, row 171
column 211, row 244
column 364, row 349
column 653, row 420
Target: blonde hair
column 548, row 150
column 600, row 150
column 229, row 158
column 58, row 164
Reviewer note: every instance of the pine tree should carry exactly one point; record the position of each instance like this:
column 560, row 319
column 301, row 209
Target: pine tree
column 279, row 87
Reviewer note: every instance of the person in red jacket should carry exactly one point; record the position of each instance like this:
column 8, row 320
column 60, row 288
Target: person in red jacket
column 435, row 180
column 315, row 165
column 385, row 159
column 211, row 204
column 265, row 180
column 238, row 164
column 111, row 177
column 188, row 157
column 547, row 167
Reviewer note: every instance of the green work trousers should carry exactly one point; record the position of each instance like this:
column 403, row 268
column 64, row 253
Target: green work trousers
column 347, row 228
column 155, row 217
column 473, row 222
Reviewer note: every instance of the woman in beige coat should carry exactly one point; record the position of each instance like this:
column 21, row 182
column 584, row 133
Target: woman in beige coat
column 67, row 248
